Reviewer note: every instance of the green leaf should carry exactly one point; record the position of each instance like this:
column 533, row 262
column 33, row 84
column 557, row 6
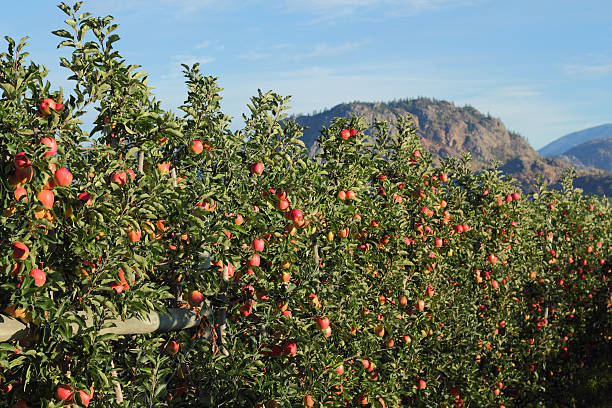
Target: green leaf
column 63, row 33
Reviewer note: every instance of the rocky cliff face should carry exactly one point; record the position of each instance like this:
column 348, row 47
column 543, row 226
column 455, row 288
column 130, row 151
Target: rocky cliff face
column 447, row 130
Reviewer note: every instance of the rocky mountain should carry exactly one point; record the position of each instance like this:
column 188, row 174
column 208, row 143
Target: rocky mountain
column 447, row 130
column 564, row 143
column 594, row 153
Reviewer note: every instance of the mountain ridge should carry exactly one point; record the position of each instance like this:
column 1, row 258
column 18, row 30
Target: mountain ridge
column 448, row 130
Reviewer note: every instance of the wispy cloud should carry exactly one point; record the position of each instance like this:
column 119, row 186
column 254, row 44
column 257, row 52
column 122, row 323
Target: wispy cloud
column 588, row 70
column 254, row 56
column 333, row 9
column 203, row 44
column 328, row 50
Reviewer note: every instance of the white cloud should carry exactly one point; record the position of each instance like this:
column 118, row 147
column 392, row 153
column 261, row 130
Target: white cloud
column 327, row 50
column 588, row 70
column 203, row 44
column 333, row 9
column 254, row 56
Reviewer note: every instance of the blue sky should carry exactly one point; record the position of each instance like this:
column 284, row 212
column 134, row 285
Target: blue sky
column 543, row 67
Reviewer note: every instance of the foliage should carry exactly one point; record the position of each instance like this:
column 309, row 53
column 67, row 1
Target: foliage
column 441, row 287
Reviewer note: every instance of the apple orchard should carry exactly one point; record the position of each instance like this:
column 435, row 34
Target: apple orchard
column 368, row 277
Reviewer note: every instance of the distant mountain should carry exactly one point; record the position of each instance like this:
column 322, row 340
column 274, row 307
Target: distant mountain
column 447, row 130
column 594, row 153
column 564, row 143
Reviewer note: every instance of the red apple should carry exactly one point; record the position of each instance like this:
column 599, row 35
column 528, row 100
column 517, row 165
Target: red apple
column 51, row 144
column 83, row 397
column 20, row 251
column 323, row 322
column 21, row 160
column 85, row 196
column 134, row 236
column 119, row 178
column 492, row 258
column 296, row 215
column 39, row 277
column 258, row 245
column 196, row 147
column 195, row 298
column 308, row 401
column 290, row 348
column 62, row 177
column 172, row 348
column 19, row 193
column 46, row 198
column 63, row 393
column 345, row 134
column 354, row 132
column 421, row 305
column 257, row 168
column 350, row 195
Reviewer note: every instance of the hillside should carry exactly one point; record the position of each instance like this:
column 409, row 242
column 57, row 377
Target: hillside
column 564, row 143
column 594, row 153
column 447, row 130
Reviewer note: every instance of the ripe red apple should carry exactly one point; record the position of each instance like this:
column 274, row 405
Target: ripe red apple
column 63, row 393
column 164, row 168
column 239, row 219
column 20, row 251
column 196, row 146
column 421, row 305
column 296, row 215
column 21, row 160
column 345, row 134
column 19, row 193
column 308, row 401
column 282, row 205
column 350, row 195
column 516, row 196
column 46, row 105
column 119, row 178
column 258, row 245
column 341, row 195
column 131, row 173
column 85, row 196
column 430, row 291
column 40, row 277
column 354, row 132
column 323, row 322
column 403, row 301
column 195, row 298
column 46, row 198
column 340, row 369
column 257, row 168
column 492, row 258
column 422, row 384
column 172, row 348
column 83, row 397
column 51, row 144
column 508, row 198
column 134, row 236
column 254, row 261
column 439, row 242
column 290, row 348
column 443, row 177
column 62, row 177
